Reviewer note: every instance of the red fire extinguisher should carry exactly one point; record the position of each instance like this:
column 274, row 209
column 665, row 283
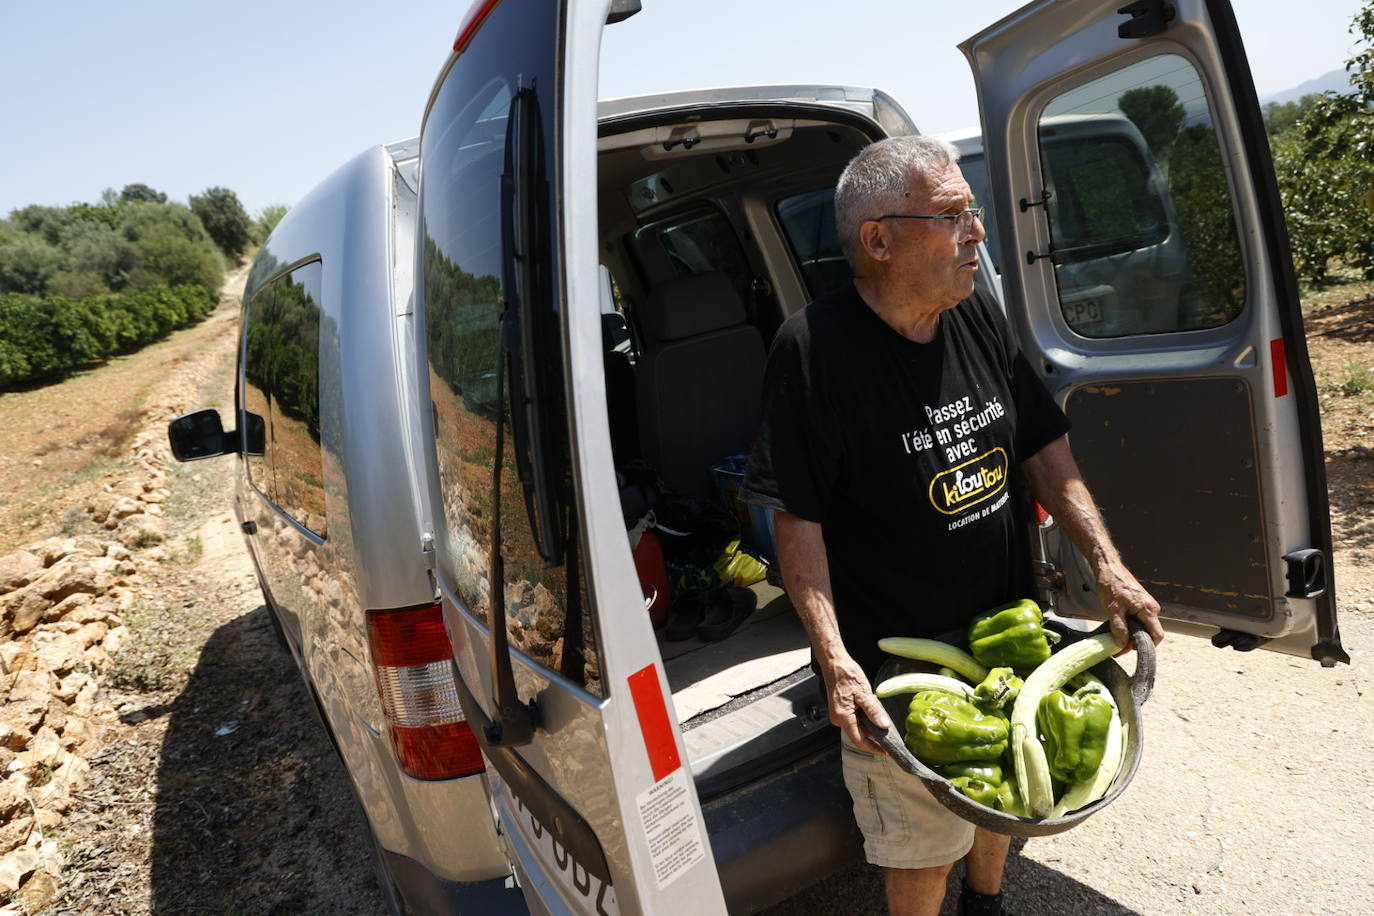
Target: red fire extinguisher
column 653, row 577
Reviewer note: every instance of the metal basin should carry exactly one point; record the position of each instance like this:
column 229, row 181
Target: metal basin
column 1129, row 691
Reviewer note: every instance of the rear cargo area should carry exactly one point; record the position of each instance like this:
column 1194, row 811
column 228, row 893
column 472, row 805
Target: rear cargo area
column 706, row 247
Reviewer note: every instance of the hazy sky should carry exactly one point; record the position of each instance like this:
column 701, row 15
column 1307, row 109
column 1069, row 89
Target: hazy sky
column 267, row 98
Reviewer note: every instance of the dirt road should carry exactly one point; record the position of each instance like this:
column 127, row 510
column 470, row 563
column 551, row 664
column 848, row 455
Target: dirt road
column 216, row 790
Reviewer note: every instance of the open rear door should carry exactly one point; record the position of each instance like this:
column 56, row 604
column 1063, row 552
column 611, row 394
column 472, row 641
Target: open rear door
column 557, row 667
column 1147, row 270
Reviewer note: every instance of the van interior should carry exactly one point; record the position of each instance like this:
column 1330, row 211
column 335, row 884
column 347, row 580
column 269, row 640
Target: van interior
column 711, row 234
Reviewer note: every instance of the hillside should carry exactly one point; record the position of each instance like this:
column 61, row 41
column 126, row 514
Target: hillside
column 1334, row 81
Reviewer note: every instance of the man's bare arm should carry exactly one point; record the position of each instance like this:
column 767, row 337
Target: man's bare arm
column 1056, row 482
column 805, row 571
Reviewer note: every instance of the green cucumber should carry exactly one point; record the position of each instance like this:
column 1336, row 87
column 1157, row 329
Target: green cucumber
column 936, row 652
column 1032, row 769
column 915, row 681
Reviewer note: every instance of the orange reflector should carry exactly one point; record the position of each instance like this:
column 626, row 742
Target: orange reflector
column 413, row 663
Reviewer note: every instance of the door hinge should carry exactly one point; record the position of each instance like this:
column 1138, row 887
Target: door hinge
column 1148, row 17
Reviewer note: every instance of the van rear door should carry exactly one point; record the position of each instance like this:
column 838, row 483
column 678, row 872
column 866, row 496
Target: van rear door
column 1150, row 279
column 558, row 671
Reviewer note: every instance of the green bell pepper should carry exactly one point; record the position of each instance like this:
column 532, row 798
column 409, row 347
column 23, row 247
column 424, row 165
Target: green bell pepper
column 1013, row 635
column 998, row 689
column 942, row 728
column 986, row 770
column 984, row 793
column 1073, row 730
column 1009, row 800
column 1000, row 796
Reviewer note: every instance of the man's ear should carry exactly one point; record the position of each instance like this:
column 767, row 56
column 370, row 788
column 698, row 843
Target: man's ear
column 873, row 241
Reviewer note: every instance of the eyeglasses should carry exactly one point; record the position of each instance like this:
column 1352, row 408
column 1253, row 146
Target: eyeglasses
column 963, row 220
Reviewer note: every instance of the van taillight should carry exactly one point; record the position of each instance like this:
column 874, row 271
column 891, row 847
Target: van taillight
column 414, row 667
column 472, row 21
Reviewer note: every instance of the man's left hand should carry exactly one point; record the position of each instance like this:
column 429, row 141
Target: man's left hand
column 1121, row 595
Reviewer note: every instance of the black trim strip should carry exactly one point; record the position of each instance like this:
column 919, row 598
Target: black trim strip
column 567, row 828
column 1278, row 249
column 735, row 110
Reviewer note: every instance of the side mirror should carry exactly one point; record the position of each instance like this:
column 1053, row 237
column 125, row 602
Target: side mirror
column 199, row 435
column 254, row 434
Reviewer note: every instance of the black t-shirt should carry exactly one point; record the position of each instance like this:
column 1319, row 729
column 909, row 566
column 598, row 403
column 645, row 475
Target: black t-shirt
column 908, row 455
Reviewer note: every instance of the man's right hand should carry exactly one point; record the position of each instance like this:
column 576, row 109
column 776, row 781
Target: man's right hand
column 801, row 553
column 849, row 693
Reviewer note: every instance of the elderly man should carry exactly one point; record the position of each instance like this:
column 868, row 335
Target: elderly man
column 902, row 429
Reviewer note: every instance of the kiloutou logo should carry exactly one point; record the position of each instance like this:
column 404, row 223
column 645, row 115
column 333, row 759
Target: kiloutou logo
column 970, row 483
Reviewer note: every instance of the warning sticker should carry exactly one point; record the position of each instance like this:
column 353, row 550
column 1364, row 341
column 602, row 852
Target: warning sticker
column 675, row 843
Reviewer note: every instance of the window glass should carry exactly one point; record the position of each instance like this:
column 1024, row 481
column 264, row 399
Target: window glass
column 703, row 244
column 281, row 385
column 256, row 384
column 1141, row 219
column 975, row 169
column 808, row 224
column 297, row 462
column 464, row 289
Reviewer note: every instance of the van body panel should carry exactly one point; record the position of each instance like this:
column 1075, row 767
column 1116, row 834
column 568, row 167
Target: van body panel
column 371, row 556
column 1267, row 488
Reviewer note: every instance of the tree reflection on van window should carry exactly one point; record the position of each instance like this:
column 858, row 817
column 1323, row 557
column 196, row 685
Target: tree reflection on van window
column 1141, row 220
column 282, row 385
column 1102, row 202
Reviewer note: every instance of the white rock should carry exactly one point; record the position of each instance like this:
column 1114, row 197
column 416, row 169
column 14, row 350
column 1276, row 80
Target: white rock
column 15, row 867
column 124, row 507
column 45, row 747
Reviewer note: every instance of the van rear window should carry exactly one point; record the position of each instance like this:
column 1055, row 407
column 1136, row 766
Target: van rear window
column 808, row 224
column 1142, row 223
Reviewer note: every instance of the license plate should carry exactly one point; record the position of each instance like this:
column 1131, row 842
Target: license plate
column 1082, row 314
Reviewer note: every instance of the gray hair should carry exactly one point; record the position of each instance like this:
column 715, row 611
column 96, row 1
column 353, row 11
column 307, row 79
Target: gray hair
column 876, row 181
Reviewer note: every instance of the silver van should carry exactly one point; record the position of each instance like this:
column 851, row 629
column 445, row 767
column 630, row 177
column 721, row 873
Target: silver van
column 434, row 427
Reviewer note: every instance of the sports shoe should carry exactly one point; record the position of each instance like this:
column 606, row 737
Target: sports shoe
column 684, row 617
column 726, row 609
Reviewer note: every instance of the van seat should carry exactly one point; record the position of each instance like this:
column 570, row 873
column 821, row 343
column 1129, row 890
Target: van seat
column 699, row 380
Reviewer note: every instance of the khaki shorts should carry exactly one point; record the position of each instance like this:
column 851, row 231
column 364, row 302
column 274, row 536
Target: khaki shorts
column 902, row 823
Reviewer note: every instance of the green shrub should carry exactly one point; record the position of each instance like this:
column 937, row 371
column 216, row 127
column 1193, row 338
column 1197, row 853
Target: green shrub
column 1356, row 380
column 98, row 249
column 27, row 262
column 50, row 223
column 46, row 337
column 1325, row 169
column 141, row 193
column 136, row 220
column 77, row 284
column 163, row 257
column 268, row 217
column 224, row 218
